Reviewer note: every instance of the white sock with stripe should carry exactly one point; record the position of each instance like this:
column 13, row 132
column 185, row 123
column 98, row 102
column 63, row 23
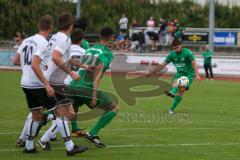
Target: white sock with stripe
column 65, row 133
column 23, row 135
column 32, row 127
column 50, row 132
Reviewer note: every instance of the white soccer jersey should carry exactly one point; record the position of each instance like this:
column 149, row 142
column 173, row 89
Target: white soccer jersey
column 77, row 53
column 123, row 23
column 34, row 45
column 62, row 43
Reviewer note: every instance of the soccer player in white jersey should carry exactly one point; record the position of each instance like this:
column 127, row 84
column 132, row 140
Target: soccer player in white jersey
column 33, row 56
column 76, row 52
column 59, row 49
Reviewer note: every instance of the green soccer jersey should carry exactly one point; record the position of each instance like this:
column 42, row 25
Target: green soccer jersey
column 85, row 44
column 97, row 54
column 207, row 57
column 182, row 61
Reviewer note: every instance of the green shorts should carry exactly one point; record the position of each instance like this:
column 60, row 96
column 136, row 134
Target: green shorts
column 83, row 95
column 190, row 78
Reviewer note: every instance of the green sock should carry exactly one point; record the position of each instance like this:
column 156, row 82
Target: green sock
column 73, row 122
column 175, row 90
column 74, row 126
column 176, row 101
column 102, row 122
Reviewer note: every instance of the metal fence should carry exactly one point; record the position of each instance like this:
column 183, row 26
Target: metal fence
column 223, row 37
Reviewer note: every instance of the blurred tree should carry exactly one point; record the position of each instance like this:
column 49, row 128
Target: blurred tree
column 22, row 15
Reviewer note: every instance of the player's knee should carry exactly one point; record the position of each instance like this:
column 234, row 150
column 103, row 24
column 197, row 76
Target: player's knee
column 65, row 111
column 175, row 84
column 181, row 91
column 37, row 115
column 114, row 107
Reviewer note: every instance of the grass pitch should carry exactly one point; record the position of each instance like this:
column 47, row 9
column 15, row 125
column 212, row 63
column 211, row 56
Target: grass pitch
column 210, row 132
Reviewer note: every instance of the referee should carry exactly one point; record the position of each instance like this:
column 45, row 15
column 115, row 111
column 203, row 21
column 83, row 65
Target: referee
column 207, row 57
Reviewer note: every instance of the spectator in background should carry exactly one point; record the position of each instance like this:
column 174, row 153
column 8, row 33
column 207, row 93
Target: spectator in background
column 134, row 42
column 162, row 26
column 141, row 38
column 171, row 27
column 153, row 36
column 120, row 40
column 123, row 24
column 170, row 31
column 178, row 31
column 135, row 24
column 207, row 57
column 18, row 38
column 150, row 24
column 175, row 23
column 162, row 30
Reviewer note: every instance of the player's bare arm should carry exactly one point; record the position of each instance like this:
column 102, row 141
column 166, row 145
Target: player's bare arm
column 37, row 70
column 16, row 59
column 57, row 59
column 197, row 75
column 96, row 81
column 155, row 70
column 76, row 63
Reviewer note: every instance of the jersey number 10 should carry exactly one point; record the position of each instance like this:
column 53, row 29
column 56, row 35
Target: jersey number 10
column 27, row 52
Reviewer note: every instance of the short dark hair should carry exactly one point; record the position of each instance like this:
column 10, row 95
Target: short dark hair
column 80, row 23
column 45, row 23
column 106, row 33
column 176, row 42
column 76, row 35
column 65, row 21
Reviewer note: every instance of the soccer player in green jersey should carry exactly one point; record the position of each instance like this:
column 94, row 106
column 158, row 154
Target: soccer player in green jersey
column 87, row 87
column 85, row 44
column 207, row 57
column 184, row 61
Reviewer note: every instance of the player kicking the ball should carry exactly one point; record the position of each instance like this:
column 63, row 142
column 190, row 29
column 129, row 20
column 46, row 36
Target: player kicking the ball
column 184, row 61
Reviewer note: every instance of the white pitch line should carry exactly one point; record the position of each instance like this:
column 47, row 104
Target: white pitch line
column 146, row 146
column 131, row 129
column 156, row 129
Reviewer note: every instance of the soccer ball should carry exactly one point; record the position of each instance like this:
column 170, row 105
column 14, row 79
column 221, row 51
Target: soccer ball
column 183, row 81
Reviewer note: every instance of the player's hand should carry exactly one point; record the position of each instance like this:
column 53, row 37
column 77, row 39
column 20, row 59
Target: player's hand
column 50, row 90
column 94, row 101
column 88, row 67
column 198, row 78
column 74, row 75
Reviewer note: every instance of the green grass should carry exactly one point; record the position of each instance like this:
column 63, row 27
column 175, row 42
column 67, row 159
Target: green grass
column 212, row 133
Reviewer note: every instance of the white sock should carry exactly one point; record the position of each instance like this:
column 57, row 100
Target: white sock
column 65, row 133
column 32, row 127
column 23, row 135
column 69, row 145
column 29, row 144
column 50, row 117
column 50, row 132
